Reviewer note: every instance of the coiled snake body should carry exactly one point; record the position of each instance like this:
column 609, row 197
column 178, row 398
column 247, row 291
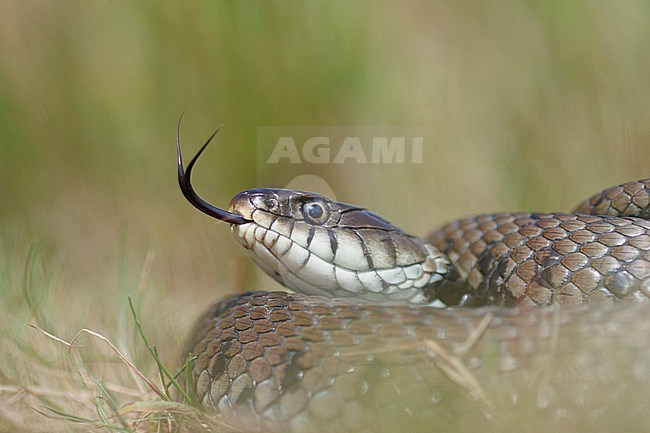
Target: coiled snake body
column 357, row 348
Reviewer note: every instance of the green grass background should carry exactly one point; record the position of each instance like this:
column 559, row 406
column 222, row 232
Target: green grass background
column 533, row 106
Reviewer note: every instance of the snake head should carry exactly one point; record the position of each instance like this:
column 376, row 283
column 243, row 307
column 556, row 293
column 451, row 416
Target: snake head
column 262, row 205
column 314, row 245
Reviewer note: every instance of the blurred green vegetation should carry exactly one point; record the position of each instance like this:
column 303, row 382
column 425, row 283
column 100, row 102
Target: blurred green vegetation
column 533, row 106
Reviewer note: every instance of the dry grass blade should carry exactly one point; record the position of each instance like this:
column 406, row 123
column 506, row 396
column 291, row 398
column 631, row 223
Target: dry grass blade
column 476, row 334
column 454, row 368
column 143, row 414
column 67, row 416
column 124, row 359
column 452, row 365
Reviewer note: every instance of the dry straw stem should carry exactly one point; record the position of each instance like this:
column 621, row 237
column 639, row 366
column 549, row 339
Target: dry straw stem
column 452, row 365
column 166, row 415
column 72, row 346
column 449, row 362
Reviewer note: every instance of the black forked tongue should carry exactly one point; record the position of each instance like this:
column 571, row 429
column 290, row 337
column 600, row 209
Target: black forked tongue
column 184, row 180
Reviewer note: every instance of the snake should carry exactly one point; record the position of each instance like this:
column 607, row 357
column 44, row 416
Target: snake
column 497, row 322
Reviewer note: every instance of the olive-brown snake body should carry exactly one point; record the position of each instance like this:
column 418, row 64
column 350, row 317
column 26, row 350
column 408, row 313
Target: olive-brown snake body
column 359, row 349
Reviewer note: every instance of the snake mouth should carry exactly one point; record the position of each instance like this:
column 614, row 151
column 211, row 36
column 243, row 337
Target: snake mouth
column 185, row 183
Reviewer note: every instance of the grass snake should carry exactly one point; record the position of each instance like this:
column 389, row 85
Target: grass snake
column 362, row 344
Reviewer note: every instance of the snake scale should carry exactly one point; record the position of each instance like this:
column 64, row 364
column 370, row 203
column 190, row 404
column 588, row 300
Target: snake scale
column 362, row 344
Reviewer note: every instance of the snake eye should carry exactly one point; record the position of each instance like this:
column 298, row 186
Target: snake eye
column 315, row 212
